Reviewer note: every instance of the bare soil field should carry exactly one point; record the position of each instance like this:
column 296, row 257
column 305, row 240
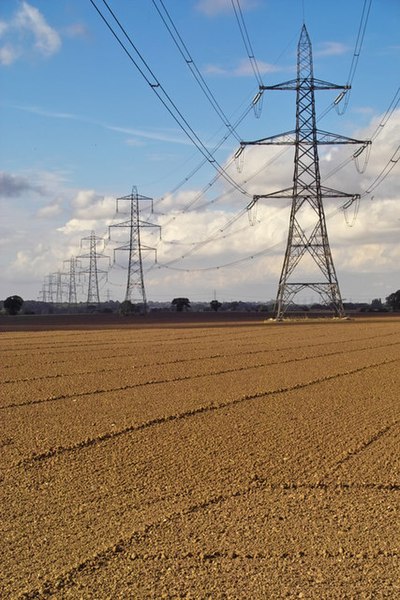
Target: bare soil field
column 215, row 459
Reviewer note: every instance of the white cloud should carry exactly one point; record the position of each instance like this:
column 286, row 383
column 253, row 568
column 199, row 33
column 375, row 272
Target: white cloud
column 77, row 226
column 84, row 198
column 88, row 205
column 29, row 18
column 51, row 210
column 26, row 26
column 38, row 260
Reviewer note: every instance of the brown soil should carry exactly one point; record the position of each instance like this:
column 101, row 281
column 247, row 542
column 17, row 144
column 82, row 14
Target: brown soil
column 209, row 459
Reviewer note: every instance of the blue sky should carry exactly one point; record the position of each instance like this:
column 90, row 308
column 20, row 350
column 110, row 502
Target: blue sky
column 80, row 127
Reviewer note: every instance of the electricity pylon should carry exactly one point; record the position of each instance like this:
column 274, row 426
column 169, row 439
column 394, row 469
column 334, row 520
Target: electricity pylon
column 307, row 227
column 93, row 271
column 50, row 288
column 72, row 298
column 58, row 276
column 135, row 290
column 43, row 293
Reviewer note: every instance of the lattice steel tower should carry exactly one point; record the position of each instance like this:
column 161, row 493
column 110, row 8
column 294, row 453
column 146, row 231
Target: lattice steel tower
column 93, row 271
column 72, row 298
column 135, row 290
column 307, row 227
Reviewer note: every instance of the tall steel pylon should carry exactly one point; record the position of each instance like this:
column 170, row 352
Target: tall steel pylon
column 307, row 227
column 93, row 271
column 135, row 290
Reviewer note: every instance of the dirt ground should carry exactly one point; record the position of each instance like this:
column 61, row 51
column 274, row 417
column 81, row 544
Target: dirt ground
column 216, row 459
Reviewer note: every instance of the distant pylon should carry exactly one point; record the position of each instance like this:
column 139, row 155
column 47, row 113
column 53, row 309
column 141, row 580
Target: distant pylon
column 72, row 298
column 50, row 288
column 135, row 290
column 43, row 293
column 93, row 271
column 307, row 227
column 58, row 278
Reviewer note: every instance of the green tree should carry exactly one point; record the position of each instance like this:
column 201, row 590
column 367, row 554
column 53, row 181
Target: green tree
column 126, row 308
column 13, row 304
column 181, row 304
column 393, row 300
column 215, row 305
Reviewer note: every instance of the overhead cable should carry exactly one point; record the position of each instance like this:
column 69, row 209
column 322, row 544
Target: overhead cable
column 392, row 162
column 246, row 40
column 345, row 95
column 163, row 96
column 239, row 260
column 184, row 51
column 392, row 107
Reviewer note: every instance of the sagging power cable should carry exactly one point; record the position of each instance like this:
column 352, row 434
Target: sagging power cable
column 189, row 60
column 246, row 40
column 345, row 95
column 151, row 79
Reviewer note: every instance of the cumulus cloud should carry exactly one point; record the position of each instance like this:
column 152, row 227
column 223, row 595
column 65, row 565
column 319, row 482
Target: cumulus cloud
column 89, row 211
column 27, row 30
column 77, row 226
column 49, row 211
column 88, row 205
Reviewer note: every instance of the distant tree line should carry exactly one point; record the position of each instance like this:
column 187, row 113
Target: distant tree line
column 13, row 305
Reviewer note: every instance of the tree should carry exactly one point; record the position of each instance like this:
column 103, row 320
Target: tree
column 215, row 305
column 128, row 308
column 181, row 304
column 13, row 304
column 393, row 300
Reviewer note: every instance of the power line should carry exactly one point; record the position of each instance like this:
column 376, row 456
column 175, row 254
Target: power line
column 367, row 146
column 246, row 40
column 345, row 95
column 392, row 162
column 390, row 110
column 204, row 161
column 188, row 58
column 240, row 260
column 163, row 96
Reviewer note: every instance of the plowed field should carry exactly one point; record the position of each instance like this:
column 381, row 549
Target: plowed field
column 239, row 461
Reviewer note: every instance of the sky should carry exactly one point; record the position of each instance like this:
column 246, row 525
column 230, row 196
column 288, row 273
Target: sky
column 82, row 126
